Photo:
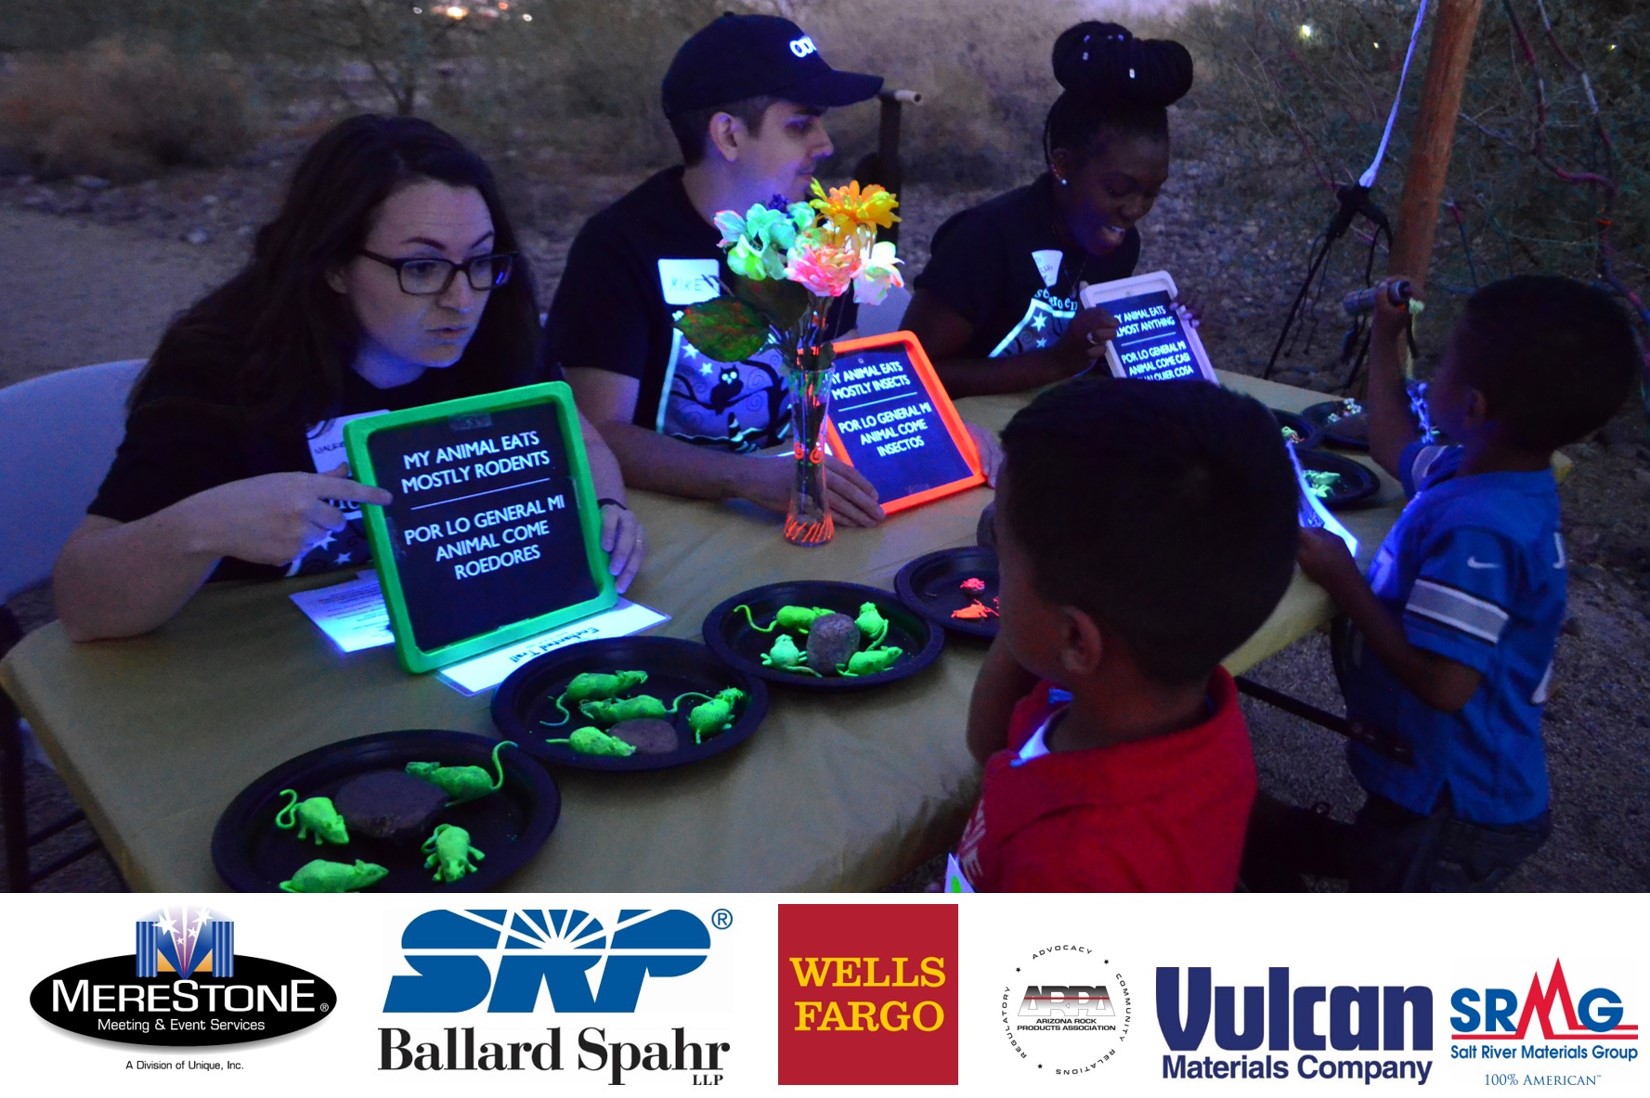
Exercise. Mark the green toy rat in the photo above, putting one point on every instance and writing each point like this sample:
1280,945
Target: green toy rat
462,783
315,816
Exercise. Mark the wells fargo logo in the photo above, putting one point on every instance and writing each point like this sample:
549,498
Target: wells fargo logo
868,994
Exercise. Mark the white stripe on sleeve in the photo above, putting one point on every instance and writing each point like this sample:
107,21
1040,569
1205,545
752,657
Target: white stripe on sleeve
1457,609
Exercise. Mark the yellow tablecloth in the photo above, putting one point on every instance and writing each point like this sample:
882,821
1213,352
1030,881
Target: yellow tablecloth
157,734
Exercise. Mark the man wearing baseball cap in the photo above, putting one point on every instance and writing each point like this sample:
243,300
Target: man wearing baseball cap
745,98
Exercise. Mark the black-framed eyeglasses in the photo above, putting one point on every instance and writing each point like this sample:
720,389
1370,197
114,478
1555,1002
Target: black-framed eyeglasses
427,276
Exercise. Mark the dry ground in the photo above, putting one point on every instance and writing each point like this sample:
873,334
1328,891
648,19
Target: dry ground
93,273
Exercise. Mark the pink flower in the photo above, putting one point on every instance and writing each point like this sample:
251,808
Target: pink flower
823,269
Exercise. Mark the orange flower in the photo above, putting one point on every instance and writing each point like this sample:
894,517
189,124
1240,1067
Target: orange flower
850,212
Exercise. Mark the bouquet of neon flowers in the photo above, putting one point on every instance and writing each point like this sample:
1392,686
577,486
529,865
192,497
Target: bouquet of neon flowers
789,262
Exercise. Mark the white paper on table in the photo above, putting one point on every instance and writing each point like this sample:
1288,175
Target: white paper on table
485,671
354,617
352,614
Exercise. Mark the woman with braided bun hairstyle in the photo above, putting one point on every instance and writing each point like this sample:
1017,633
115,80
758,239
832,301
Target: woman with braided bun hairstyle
996,308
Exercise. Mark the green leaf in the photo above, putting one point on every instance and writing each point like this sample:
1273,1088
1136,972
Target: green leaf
725,328
780,300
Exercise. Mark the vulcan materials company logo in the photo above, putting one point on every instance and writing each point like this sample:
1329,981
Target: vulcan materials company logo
868,993
183,984
1340,1032
1548,1022
514,963
1065,1009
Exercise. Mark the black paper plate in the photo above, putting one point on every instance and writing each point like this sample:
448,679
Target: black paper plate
509,826
731,637
1310,433
673,667
932,586
1358,482
1351,437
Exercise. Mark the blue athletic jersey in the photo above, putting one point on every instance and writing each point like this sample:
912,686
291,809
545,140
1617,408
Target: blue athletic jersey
1475,566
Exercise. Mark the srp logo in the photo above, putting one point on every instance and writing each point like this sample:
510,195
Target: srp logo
1500,1014
505,958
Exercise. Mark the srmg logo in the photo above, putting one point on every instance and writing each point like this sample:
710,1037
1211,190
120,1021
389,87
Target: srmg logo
1068,999
803,46
1487,1015
503,958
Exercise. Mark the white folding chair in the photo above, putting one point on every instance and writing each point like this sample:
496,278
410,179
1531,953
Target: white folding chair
58,434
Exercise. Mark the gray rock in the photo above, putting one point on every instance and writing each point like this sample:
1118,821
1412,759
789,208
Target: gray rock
197,236
91,182
831,640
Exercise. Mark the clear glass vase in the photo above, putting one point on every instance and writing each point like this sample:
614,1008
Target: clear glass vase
808,519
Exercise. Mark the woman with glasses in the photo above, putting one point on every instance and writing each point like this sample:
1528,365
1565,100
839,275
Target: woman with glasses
997,306
388,279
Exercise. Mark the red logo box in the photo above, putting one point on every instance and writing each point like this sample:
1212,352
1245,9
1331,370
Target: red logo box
867,993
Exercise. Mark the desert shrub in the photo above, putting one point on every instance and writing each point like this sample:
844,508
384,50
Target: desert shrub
123,110
1304,110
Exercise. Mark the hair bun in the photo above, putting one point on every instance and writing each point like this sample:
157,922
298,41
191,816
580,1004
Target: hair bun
1104,59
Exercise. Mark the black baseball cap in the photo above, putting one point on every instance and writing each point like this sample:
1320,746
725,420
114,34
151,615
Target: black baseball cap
742,56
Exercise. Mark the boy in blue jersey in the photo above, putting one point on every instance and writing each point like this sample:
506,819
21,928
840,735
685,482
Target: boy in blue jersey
1448,644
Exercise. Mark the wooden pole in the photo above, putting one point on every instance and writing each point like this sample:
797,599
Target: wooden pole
1432,137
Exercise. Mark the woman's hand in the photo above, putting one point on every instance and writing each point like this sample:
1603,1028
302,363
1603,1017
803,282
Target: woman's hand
622,542
1085,339
275,518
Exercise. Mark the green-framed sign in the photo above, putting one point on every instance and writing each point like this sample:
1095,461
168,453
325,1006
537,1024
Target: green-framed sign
494,533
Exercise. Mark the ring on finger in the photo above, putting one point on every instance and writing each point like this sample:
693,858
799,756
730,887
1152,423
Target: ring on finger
1090,337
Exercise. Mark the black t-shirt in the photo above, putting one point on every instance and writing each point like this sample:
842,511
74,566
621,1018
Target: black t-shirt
178,444
1003,269
631,270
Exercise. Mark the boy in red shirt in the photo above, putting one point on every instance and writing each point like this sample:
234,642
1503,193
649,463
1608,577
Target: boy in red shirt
1144,530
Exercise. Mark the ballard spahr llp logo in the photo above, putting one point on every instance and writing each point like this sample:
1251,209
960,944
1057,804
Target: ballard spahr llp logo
1495,1024
519,962
183,984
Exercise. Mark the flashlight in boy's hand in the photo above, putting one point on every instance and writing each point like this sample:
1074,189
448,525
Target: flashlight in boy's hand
1363,301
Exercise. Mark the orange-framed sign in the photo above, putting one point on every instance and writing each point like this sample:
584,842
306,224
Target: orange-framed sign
892,420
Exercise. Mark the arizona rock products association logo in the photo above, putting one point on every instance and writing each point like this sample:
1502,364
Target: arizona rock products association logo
1065,1009
183,984
867,993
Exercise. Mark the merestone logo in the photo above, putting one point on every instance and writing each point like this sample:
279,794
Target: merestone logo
504,958
184,984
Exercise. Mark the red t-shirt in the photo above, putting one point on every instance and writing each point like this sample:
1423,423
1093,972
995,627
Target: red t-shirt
1165,814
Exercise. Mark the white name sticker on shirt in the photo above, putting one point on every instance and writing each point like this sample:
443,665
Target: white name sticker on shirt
327,451
1048,264
689,281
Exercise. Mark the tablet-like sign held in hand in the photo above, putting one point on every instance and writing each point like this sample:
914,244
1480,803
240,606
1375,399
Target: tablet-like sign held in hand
494,533
1153,340
892,420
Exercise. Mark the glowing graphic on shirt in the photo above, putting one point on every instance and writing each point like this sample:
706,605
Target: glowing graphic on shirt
738,406
1046,319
